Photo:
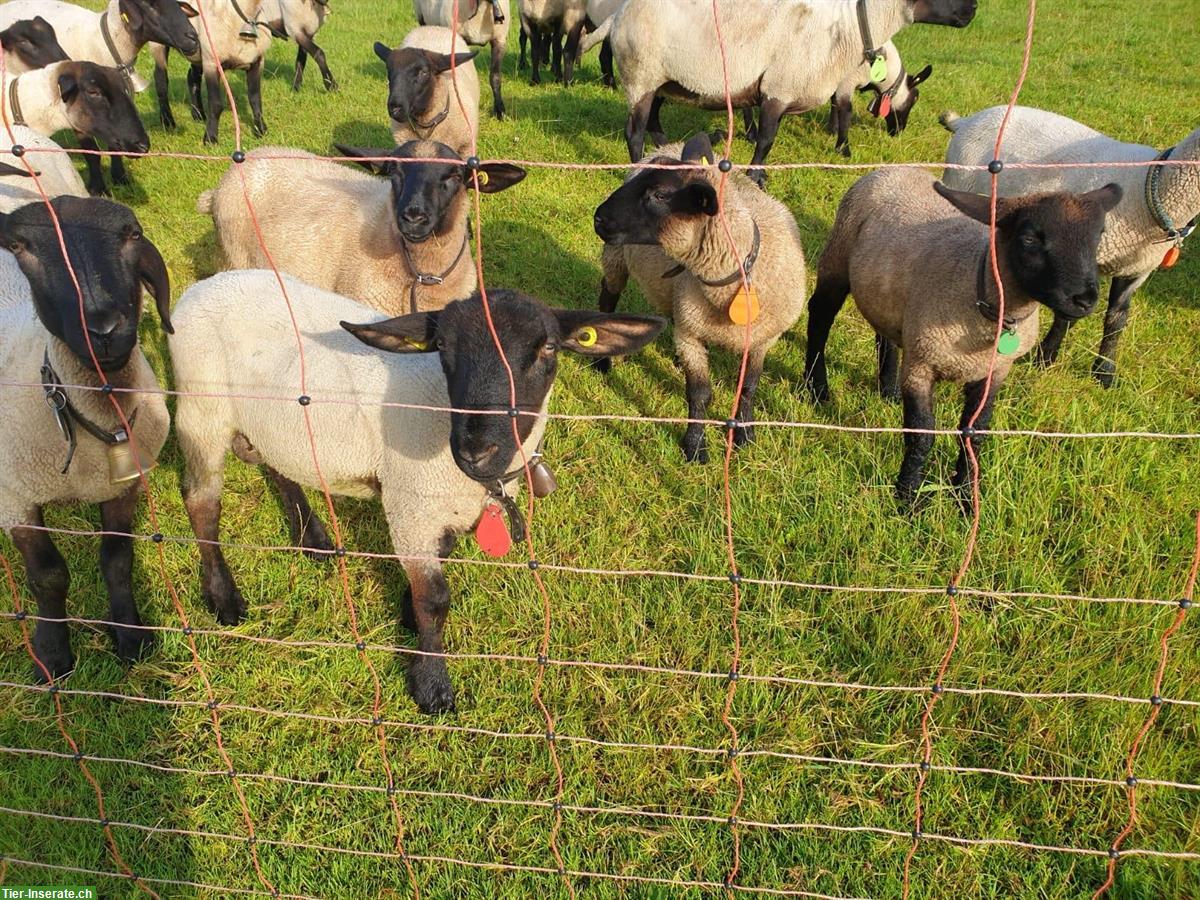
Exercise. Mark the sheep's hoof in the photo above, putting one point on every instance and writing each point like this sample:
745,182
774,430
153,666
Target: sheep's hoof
909,499
498,112
330,84
743,435
226,603
1105,372
209,138
98,188
315,541
429,685
132,644
602,364
121,176
843,149
758,176
259,127
57,658
168,121
1043,356
819,393
694,449
197,114
609,82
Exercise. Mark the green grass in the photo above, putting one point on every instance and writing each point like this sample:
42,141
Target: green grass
1099,517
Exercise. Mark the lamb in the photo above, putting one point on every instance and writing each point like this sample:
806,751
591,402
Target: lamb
480,22
921,276
662,227
85,97
239,40
81,452
300,20
398,243
434,471
670,48
30,44
426,98
545,21
1137,240
56,174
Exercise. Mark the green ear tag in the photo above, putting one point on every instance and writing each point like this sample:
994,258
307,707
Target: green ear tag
1008,344
879,69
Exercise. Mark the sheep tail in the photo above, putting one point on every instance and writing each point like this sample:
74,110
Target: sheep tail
204,203
949,120
600,34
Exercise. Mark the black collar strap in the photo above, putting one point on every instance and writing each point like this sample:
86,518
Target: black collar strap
14,103
65,414
125,67
1154,203
437,120
889,92
253,23
747,266
986,308
870,51
422,278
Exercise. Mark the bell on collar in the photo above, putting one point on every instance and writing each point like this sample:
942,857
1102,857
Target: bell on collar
544,483
248,32
124,463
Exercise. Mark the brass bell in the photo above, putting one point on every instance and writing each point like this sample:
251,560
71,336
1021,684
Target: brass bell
124,463
544,483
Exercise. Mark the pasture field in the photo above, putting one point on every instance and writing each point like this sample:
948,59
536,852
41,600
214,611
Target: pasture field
1096,518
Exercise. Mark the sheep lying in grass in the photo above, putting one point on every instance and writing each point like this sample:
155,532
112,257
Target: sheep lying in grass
479,22
662,227
30,44
41,332
434,471
547,22
426,100
398,243
1136,241
921,276
56,174
85,98
300,20
670,48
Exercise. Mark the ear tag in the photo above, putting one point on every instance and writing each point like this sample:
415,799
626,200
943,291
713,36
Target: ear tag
482,176
885,106
586,337
1009,343
491,532
744,307
879,69
1170,257
125,18
417,345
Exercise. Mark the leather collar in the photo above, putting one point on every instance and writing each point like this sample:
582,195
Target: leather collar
423,278
747,265
67,416
126,68
986,308
1158,212
14,103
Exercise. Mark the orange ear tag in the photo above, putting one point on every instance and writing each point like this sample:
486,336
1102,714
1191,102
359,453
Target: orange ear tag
744,307
1171,257
492,531
885,106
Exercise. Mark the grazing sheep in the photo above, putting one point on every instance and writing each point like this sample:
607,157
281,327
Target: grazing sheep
480,22
920,274
239,39
546,22
30,44
670,48
662,227
56,174
79,454
426,99
300,20
86,98
434,471
398,243
1136,241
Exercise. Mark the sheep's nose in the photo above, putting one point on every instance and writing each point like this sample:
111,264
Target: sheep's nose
600,224
414,216
101,326
478,458
397,113
1089,294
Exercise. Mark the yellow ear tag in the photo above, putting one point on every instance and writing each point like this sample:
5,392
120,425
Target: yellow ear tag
417,345
483,178
744,307
125,18
586,337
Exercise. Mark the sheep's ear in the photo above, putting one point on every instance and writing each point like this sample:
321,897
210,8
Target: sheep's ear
383,51
68,87
593,333
699,149
153,272
372,155
188,10
979,206
413,333
914,80
441,61
131,13
1108,196
695,198
6,169
494,177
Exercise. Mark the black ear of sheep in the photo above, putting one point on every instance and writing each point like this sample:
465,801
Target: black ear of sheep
699,148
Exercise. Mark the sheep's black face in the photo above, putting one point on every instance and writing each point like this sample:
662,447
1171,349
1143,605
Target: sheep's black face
111,261
897,119
532,336
98,106
34,42
956,13
163,22
412,74
425,196
637,211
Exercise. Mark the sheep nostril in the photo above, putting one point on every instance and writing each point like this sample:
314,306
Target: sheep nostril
415,217
477,458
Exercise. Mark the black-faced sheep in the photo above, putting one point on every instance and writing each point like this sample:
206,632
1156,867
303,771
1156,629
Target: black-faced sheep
30,44
479,22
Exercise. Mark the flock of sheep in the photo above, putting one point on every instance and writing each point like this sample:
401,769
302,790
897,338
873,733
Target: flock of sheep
708,246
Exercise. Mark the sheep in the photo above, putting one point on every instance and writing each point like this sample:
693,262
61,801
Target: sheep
1137,240
80,453
56,175
545,21
434,471
426,99
598,12
920,274
480,22
85,97
398,244
239,40
30,44
662,227
669,48
300,20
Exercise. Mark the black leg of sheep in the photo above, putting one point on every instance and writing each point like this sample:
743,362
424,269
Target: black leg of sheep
49,580
116,564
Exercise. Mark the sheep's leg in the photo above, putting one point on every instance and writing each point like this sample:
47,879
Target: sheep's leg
976,398
556,48
49,580
635,126
536,38
612,283
96,184
1047,351
308,47
917,395
254,95
195,104
694,358
841,115
202,499
1120,294
572,52
654,123
748,121
216,104
162,84
301,59
744,434
889,368
523,41
116,562
428,678
768,126
606,64
119,174
494,78
306,528
823,307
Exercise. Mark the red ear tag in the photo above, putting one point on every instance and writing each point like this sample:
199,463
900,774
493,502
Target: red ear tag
1171,257
885,106
492,532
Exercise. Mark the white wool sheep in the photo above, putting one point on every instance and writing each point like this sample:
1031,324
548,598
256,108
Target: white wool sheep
547,22
477,26
1133,245
55,173
300,20
450,92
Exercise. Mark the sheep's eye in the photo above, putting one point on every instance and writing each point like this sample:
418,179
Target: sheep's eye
549,348
440,343
660,195
1029,240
